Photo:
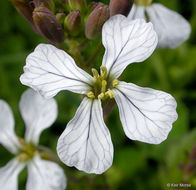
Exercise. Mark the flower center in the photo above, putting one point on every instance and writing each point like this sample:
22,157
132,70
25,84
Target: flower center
143,2
102,87
27,152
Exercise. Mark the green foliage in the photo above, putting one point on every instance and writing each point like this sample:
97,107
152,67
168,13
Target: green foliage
136,165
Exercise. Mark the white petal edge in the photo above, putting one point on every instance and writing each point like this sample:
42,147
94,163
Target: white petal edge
147,115
45,175
50,70
9,175
126,41
171,27
86,142
38,114
8,137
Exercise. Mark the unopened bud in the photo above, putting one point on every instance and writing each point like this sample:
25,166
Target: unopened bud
120,7
93,5
77,4
45,3
48,25
25,9
96,20
60,17
73,22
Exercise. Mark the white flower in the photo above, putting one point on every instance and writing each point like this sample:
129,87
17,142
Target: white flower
146,114
38,114
171,27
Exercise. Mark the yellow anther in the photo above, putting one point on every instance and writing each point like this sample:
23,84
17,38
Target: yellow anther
95,74
103,72
91,95
110,94
23,157
21,141
115,83
103,86
101,96
27,151
143,2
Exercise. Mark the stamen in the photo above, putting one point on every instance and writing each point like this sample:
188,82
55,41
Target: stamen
143,2
95,74
27,152
101,96
115,83
91,95
23,157
110,94
103,72
103,86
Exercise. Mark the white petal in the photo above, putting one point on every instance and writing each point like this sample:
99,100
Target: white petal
50,70
45,175
126,41
86,142
146,114
8,137
9,175
38,114
137,12
171,27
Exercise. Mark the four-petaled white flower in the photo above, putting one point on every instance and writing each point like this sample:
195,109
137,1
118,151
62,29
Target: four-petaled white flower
146,114
172,29
38,114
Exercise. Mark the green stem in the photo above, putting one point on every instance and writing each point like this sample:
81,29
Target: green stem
83,45
94,56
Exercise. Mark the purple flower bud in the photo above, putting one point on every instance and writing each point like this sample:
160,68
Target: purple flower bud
120,7
92,5
25,8
77,4
48,25
96,20
45,3
73,22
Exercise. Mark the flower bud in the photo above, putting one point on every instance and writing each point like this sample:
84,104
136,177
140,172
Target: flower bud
60,17
48,25
96,20
120,7
77,4
25,9
73,22
45,3
93,5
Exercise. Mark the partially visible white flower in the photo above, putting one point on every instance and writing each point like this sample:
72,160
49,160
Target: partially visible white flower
146,114
38,114
171,27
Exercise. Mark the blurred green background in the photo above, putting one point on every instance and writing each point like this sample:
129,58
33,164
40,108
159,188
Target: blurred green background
136,165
